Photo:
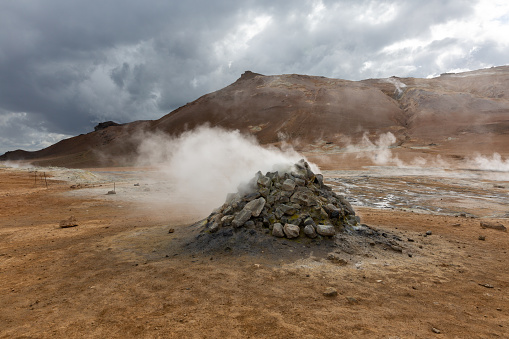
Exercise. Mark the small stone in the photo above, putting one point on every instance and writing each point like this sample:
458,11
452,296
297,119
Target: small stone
325,230
71,222
277,230
429,233
396,248
352,300
288,185
319,180
291,231
241,218
332,211
486,285
493,225
335,258
214,227
300,182
435,330
227,220
482,237
255,206
330,292
309,221
410,240
171,230
309,230
264,181
287,209
304,196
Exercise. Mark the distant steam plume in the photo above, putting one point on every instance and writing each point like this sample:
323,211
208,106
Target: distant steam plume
379,151
486,163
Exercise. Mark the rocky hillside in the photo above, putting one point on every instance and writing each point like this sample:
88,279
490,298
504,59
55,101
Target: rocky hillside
470,109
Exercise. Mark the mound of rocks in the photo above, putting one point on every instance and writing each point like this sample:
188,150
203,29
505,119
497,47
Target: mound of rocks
291,204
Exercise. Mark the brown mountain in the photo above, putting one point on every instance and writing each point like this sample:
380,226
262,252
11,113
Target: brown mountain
452,112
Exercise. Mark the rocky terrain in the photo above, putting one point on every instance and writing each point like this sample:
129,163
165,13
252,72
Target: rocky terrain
421,264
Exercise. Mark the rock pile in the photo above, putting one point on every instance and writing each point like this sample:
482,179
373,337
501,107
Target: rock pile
289,204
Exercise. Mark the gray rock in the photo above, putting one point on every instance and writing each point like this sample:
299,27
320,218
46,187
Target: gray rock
277,230
493,225
325,230
251,196
214,227
319,179
241,218
332,211
288,185
300,182
71,222
304,196
265,192
278,212
309,221
336,258
287,209
249,224
330,292
309,230
346,205
228,210
227,220
264,181
291,231
271,199
255,206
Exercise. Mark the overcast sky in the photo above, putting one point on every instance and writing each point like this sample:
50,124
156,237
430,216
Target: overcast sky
67,65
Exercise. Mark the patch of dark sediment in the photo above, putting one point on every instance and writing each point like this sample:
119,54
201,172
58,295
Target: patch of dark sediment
289,214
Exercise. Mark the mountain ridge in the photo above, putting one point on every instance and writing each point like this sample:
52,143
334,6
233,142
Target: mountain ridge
306,110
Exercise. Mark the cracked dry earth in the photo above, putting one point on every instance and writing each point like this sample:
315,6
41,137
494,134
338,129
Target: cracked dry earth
121,273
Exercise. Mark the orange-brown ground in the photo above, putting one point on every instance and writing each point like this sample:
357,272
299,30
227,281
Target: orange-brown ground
117,275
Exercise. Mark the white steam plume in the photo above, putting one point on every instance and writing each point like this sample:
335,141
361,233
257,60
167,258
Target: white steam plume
495,163
378,152
400,86
207,163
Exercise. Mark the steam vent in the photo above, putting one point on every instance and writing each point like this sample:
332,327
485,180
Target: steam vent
292,205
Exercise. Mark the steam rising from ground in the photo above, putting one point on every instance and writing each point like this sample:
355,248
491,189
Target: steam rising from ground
380,153
493,163
207,163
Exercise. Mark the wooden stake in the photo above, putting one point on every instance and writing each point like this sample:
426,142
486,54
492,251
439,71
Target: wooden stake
46,181
35,178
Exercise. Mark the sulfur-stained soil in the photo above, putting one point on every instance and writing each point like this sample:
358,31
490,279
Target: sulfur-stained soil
127,270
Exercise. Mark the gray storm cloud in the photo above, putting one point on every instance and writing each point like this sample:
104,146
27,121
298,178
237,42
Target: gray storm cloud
70,65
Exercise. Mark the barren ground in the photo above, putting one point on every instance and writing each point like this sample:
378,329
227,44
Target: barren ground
120,273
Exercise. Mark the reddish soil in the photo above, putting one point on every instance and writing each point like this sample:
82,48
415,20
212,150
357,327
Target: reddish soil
121,274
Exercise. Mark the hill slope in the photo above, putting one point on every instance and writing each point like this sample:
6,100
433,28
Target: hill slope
469,110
